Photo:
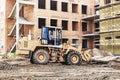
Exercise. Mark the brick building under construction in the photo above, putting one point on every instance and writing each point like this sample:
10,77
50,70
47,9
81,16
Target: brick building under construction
28,16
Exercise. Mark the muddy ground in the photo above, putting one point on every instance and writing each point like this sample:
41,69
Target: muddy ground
23,70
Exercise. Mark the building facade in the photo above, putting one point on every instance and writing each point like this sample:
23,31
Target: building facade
91,28
23,17
110,25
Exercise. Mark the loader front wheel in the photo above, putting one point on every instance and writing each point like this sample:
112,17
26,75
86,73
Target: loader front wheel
41,57
74,58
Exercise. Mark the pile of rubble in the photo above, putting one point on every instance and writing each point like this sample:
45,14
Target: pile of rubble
103,56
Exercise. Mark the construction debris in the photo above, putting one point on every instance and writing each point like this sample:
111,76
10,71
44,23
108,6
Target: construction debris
103,56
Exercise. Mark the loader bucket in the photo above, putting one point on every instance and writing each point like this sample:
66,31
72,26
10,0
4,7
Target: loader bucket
86,55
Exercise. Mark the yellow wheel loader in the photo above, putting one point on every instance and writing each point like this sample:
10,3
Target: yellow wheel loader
49,48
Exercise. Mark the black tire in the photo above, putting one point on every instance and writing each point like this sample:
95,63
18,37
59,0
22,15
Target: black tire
30,56
41,57
65,60
74,58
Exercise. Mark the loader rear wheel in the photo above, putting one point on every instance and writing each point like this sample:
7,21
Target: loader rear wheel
74,58
41,57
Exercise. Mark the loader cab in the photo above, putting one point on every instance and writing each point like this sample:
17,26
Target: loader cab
51,36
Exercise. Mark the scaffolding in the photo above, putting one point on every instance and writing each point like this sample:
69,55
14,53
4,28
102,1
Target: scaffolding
20,21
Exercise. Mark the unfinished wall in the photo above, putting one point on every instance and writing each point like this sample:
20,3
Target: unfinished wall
9,23
89,33
110,26
29,16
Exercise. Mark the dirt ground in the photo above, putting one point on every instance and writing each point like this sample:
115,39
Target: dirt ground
23,70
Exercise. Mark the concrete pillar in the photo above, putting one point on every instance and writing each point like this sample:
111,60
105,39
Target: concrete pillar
17,22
